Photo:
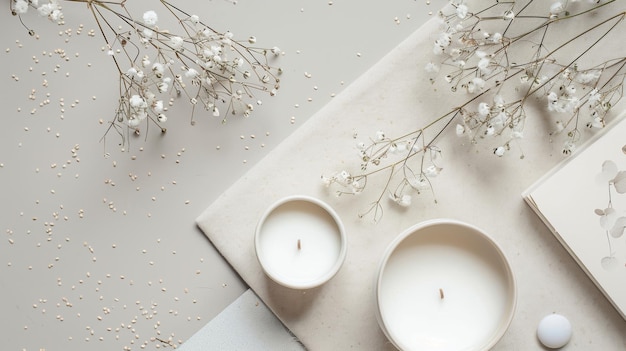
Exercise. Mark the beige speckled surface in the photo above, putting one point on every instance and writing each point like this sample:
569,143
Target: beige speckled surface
474,187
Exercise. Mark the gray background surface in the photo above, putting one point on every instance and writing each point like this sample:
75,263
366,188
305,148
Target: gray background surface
102,253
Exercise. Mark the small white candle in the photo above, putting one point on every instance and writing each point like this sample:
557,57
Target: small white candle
300,242
444,285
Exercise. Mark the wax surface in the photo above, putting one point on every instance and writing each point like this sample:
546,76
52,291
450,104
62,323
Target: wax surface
442,290
316,255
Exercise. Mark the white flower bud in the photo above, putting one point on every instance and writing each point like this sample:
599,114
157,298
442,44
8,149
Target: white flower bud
460,129
150,18
499,151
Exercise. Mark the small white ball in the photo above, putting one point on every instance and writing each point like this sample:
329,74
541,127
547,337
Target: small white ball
554,331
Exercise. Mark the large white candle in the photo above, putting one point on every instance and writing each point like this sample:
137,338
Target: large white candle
445,285
300,242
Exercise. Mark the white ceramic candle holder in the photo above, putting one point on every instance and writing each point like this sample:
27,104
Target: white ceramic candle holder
300,242
444,285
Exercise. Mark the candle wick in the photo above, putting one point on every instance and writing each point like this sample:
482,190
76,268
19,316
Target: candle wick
441,293
299,245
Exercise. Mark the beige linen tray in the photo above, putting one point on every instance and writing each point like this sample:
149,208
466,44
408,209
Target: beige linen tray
475,187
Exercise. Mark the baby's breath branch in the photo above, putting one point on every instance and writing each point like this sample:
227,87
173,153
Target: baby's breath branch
96,17
500,67
599,4
31,32
251,54
157,65
553,18
619,17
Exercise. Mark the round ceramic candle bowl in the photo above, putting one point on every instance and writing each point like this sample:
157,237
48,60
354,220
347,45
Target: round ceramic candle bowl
444,285
300,242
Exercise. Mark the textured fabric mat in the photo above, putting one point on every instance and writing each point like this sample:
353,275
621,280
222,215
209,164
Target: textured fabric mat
474,186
